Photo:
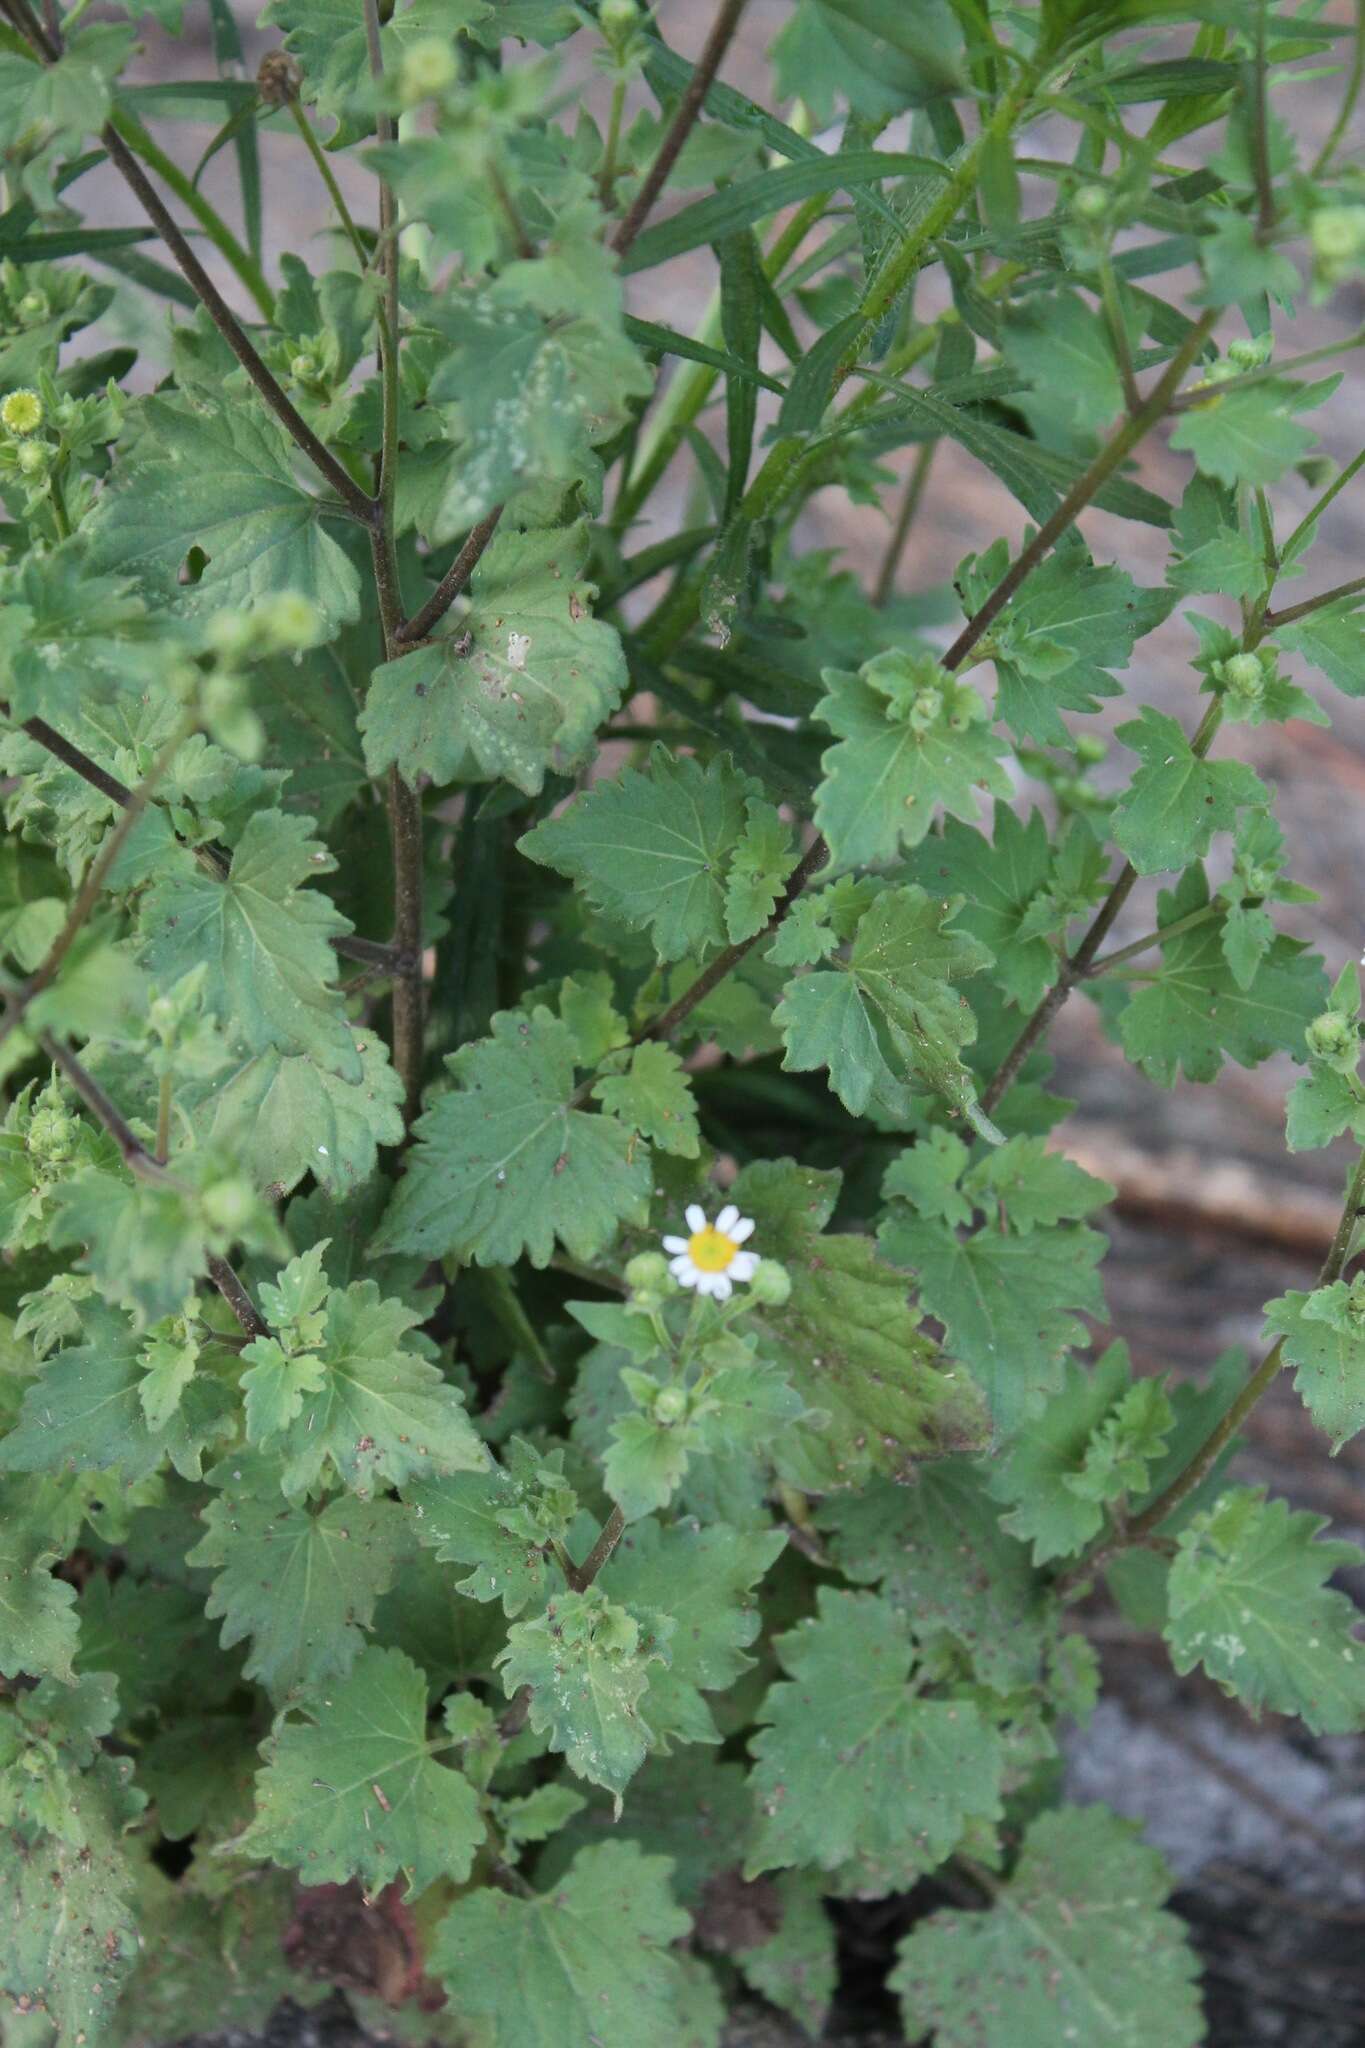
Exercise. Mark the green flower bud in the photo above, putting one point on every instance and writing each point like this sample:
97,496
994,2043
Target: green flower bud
1335,1039
927,708
289,621
1338,233
771,1284
1090,202
52,1133
229,1203
1316,471
1089,749
618,21
646,1273
229,633
429,68
1250,351
305,368
33,308
670,1405
1243,675
33,458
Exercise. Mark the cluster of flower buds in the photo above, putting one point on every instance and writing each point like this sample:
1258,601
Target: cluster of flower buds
1334,1038
1243,678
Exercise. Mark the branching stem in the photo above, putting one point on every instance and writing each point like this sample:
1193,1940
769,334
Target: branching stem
452,584
139,1161
1143,1526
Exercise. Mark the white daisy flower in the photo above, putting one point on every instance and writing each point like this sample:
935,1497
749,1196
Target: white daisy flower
710,1259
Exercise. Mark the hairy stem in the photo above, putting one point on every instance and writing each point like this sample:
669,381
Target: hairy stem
404,806
903,259
165,1098
681,126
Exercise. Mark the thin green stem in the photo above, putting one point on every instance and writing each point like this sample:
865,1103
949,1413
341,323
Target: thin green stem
904,258
687,394
243,265
1079,964
606,177
1315,512
1118,331
905,518
1202,394
61,518
1272,621
1354,79
1163,934
1260,134
328,176
521,241
165,1097
1169,1499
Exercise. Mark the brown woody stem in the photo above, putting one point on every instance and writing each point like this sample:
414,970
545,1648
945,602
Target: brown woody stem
681,126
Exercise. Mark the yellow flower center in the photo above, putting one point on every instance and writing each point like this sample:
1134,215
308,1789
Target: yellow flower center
710,1250
21,412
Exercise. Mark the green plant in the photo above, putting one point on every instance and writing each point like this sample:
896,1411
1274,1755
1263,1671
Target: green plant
412,1504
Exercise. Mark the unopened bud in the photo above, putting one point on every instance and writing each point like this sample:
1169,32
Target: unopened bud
646,1272
670,1405
1089,202
771,1285
1335,1039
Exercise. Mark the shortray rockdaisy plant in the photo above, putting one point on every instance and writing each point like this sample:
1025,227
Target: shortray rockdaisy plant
712,1258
